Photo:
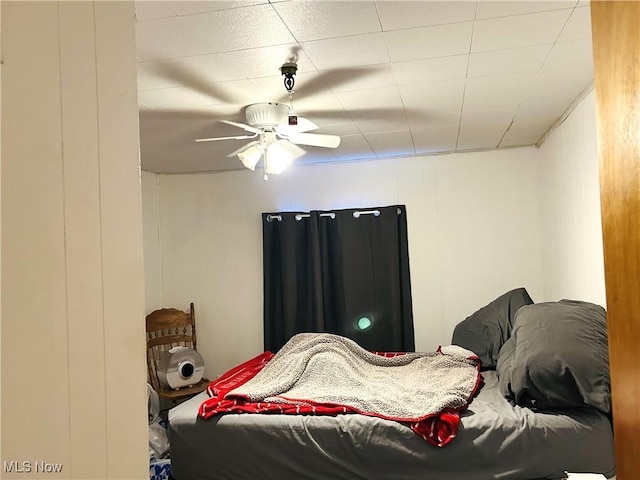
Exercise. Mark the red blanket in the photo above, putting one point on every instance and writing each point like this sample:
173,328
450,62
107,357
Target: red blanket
437,429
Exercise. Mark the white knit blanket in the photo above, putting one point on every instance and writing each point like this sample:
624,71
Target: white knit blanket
321,368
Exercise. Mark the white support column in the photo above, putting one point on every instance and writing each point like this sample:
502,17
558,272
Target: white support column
73,352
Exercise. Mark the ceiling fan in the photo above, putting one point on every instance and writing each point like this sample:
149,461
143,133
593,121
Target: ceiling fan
277,131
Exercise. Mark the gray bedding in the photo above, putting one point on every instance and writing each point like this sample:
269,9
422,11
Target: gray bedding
495,441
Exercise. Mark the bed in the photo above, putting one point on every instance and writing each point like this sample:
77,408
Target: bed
505,432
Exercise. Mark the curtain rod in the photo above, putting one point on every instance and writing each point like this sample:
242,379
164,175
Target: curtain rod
356,214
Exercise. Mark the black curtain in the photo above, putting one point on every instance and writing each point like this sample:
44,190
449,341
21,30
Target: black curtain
340,271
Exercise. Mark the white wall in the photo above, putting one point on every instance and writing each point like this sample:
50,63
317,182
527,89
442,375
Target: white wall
73,376
570,207
474,233
151,236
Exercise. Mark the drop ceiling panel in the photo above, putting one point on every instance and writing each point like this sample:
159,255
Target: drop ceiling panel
377,97
430,70
319,20
169,38
192,7
354,147
519,30
578,26
434,97
396,15
491,9
369,49
479,136
391,144
388,76
382,120
501,116
556,82
423,119
172,98
435,140
429,42
360,78
241,28
499,91
265,61
188,71
511,60
573,55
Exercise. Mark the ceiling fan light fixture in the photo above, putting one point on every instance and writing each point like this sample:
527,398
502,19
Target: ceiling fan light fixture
251,156
277,158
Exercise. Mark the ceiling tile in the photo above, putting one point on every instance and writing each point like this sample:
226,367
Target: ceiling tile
526,130
395,15
241,28
190,8
495,92
480,135
240,92
172,98
566,73
501,116
169,38
354,147
558,88
524,141
431,69
266,61
351,51
429,42
382,120
493,9
378,97
360,78
434,140
434,97
573,55
189,72
419,119
578,26
519,30
327,101
391,144
150,79
511,60
320,20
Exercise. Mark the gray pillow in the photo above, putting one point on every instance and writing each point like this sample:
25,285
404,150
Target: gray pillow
557,357
486,330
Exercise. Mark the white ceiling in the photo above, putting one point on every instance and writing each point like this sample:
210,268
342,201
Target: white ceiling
392,78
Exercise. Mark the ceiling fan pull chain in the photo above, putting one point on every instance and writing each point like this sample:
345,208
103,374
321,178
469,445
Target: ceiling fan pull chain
293,116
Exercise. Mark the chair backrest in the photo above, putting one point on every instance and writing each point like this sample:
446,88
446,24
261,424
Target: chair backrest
168,328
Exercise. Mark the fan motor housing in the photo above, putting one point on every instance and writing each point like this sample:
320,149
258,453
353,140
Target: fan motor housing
180,367
266,115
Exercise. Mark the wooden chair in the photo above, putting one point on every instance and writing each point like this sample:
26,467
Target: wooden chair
168,328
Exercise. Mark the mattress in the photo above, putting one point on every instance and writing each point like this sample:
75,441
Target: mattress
495,441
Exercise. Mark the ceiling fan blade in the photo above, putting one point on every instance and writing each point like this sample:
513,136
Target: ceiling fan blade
331,79
214,139
244,126
182,75
303,125
315,140
294,150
